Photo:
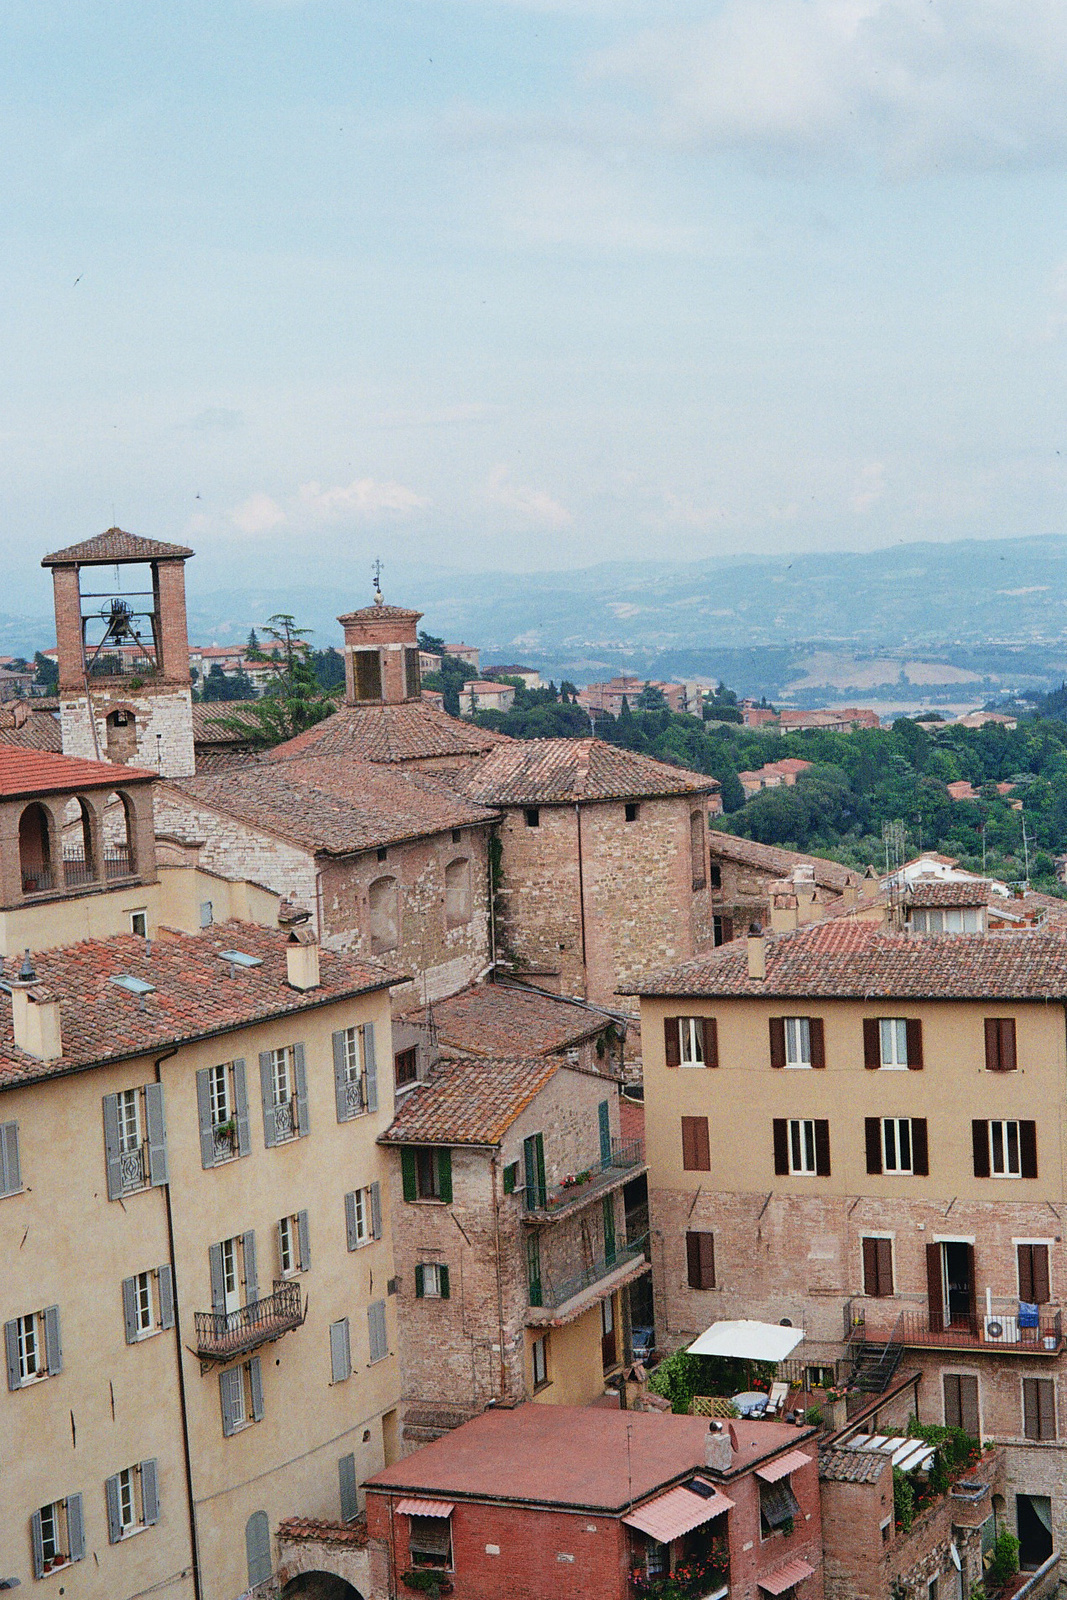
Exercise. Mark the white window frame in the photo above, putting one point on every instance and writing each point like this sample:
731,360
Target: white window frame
220,1093
230,1250
800,1132
282,1075
143,1305
33,1358
130,1121
797,1041
362,1217
431,1280
139,922
288,1247
894,1132
691,1041
130,1520
55,1535
241,1408
1003,1139
893,1044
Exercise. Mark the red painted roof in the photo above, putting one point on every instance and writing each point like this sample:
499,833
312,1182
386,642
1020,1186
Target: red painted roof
25,771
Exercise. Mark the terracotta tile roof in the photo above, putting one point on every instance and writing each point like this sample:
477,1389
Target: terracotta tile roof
863,960
631,1120
206,717
412,731
193,994
572,1456
308,1530
842,1465
940,893
42,772
562,771
40,731
470,1102
373,613
115,545
490,1019
333,807
778,863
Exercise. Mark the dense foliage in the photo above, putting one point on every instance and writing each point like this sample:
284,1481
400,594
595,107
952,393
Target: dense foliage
294,699
681,1376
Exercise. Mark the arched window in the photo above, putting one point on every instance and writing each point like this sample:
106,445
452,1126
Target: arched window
121,736
696,847
120,855
257,1548
79,864
35,849
384,916
457,893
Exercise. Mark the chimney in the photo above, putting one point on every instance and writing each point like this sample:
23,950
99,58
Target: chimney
35,1015
302,959
757,953
718,1448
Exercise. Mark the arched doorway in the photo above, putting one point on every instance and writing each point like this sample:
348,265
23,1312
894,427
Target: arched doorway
319,1586
35,850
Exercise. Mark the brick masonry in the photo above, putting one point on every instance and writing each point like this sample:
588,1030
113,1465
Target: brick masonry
162,723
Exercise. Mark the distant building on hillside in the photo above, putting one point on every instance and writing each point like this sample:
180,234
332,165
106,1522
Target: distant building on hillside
464,652
773,775
482,694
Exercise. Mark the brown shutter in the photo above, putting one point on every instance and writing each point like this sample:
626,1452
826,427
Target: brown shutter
711,1042
696,1149
727,929
953,1405
1007,1044
781,1147
687,1144
870,1268
777,1027
1031,1409
935,1294
822,1147
980,1148
692,1260
1046,1408
969,1405
915,1044
1028,1149
707,1259
872,1129
700,1260
671,1047
920,1151
872,1046
972,1289
885,1266
1025,1254
818,1042
992,1044
1042,1291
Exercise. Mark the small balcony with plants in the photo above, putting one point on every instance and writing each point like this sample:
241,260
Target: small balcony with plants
546,1202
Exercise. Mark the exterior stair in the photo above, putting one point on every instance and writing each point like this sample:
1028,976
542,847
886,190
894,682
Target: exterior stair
875,1365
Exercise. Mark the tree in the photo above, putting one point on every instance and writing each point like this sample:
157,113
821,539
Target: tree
252,647
46,675
432,645
220,686
294,700
651,698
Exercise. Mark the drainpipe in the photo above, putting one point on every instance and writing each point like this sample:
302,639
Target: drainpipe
581,893
499,1278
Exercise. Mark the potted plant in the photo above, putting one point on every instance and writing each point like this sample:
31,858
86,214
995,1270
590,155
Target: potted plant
425,1580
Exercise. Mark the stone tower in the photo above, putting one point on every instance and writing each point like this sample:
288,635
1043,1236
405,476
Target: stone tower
123,647
381,655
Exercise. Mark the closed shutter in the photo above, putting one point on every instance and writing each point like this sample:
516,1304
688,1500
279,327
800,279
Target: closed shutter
711,1041
301,1095
609,1228
379,1344
114,1520
872,1046
304,1240
1007,1044
935,1289
408,1173
696,1148
257,1548
817,1036
53,1347
885,1266
75,1527
872,1135
10,1173
112,1154
781,1147
980,1148
340,1351
166,1295
203,1112
604,1122
255,1384
240,1108
992,1044
157,1134
37,1540
218,1282
444,1171
229,1395
339,1087
129,1308
1031,1409
953,1407
822,1147
700,1260
920,1148
420,1281
1037,1276
350,1220
443,1282
1028,1149
11,1351
346,1473
370,1068
375,1210
150,1491
266,1089
968,1393
777,1032
914,1029
870,1268
671,1046
248,1256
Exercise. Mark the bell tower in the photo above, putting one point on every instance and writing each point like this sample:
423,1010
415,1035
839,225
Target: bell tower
123,647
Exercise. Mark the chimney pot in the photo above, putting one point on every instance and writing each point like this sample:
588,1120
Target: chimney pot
757,953
302,959
35,1022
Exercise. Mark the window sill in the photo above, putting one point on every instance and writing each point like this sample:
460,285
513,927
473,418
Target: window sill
798,1066
132,1532
145,1333
9,1194
59,1565
33,1379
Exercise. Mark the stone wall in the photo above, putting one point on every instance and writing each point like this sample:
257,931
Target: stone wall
163,725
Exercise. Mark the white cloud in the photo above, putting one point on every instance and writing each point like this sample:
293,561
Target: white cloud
535,505
869,486
363,497
258,514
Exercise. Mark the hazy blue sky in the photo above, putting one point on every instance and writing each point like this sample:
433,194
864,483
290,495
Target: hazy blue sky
529,284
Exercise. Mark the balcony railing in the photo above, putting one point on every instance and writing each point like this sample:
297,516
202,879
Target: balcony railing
551,1294
625,1158
37,880
222,1335
999,1331
117,861
76,870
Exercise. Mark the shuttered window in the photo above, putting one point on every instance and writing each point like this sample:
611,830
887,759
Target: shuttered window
148,1303
135,1140
57,1535
241,1396
294,1244
340,1351
431,1281
376,1331
878,1268
1039,1408
283,1091
897,1146
10,1170
1000,1044
363,1215
801,1146
700,1260
346,1475
961,1402
257,1548
222,1109
696,1146
33,1347
132,1500
427,1172
1004,1149
1033,1274
892,1044
355,1071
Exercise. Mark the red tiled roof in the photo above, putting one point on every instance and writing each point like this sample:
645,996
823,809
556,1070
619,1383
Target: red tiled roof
778,863
863,960
24,772
373,613
562,771
207,715
631,1120
307,1530
116,545
470,1101
498,1019
40,731
412,731
941,893
193,994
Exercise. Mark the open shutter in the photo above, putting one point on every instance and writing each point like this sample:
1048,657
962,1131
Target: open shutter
248,1254
227,1382
346,1473
1028,1149
885,1266
375,1210
111,1146
920,1150
10,1174
870,1268
266,1087
76,1527
1042,1290
303,1240
992,1044
114,1520
408,1173
240,1108
129,1308
379,1344
150,1491
711,1041
166,1295
37,1540
781,1147
1007,1044
822,1147
609,1227
914,1029
218,1282
203,1111
444,1170
972,1289
935,1289
872,1134
703,1145
980,1148
301,1094
350,1220
671,1045
1046,1407
1025,1256
604,1125
257,1548
370,1068
442,1280
53,1347
420,1281
339,1086
872,1046
818,1041
777,1032
11,1351
157,1134
255,1384
340,1351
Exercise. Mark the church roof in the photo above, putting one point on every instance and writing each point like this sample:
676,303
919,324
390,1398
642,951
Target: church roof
116,545
412,731
382,613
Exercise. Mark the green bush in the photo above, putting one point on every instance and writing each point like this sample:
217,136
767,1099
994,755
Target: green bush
1005,1562
813,1416
681,1376
903,1500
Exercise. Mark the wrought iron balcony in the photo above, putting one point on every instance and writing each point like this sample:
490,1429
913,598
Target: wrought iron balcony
627,1158
222,1335
557,1299
999,1332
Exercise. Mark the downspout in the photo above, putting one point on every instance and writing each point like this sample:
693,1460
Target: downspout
581,892
186,1452
491,886
499,1279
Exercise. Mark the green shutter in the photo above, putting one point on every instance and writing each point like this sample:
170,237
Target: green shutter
444,1175
442,1276
419,1285
510,1174
407,1168
609,1228
533,1267
604,1118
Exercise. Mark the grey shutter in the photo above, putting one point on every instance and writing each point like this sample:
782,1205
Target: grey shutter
340,1351
38,1545
75,1527
375,1210
53,1347
255,1383
114,1522
218,1282
11,1348
340,1096
240,1108
248,1254
166,1295
379,1345
203,1111
304,1239
150,1492
226,1388
301,1094
267,1091
370,1068
257,1548
129,1309
111,1146
10,1174
346,1472
157,1134
350,1220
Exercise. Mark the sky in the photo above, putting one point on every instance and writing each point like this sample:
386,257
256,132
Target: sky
528,284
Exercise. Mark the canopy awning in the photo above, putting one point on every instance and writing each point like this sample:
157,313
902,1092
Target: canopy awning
677,1512
425,1508
784,1577
749,1341
783,1466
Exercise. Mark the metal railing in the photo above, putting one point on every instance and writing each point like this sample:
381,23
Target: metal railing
979,1330
550,1293
76,869
37,880
115,664
221,1335
589,1182
118,861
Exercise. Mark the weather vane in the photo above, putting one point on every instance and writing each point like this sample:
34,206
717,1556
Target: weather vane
377,570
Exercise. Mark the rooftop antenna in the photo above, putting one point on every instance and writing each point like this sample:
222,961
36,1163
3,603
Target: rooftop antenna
377,571
1026,855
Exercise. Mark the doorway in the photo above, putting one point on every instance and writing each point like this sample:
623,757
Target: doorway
957,1265
1033,1520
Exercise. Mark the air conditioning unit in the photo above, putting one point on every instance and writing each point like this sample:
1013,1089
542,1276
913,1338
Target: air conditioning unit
1001,1330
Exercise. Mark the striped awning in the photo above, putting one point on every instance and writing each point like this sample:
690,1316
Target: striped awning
677,1512
425,1508
784,1577
783,1466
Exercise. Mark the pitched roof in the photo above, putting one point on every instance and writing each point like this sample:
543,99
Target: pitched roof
378,613
207,715
416,730
333,807
496,1019
949,893
863,960
37,771
193,994
778,863
562,771
40,731
116,545
473,1101
844,1465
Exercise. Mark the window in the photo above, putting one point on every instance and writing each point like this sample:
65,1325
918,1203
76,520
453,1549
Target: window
241,1396
696,849
633,811
457,894
132,1500
135,1140
696,1147
801,1147
878,1268
892,1044
139,923
348,1485
431,1281
1004,1149
1000,1044
533,1267
961,1402
430,1542
820,1377
700,1260
10,1168
382,853
148,1303
691,1041
340,1351
609,1354
716,875
363,1215
897,1146
1033,1273
427,1172
383,904
367,674
954,919
57,1533
377,1335
207,913
257,1548
797,1042
232,1267
222,1109
32,1347
1039,1408
406,1067
533,816
778,1507
283,1087
294,1247
355,1071
539,1362
657,1558
412,678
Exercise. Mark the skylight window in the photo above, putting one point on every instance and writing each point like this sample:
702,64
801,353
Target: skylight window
238,958
133,985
